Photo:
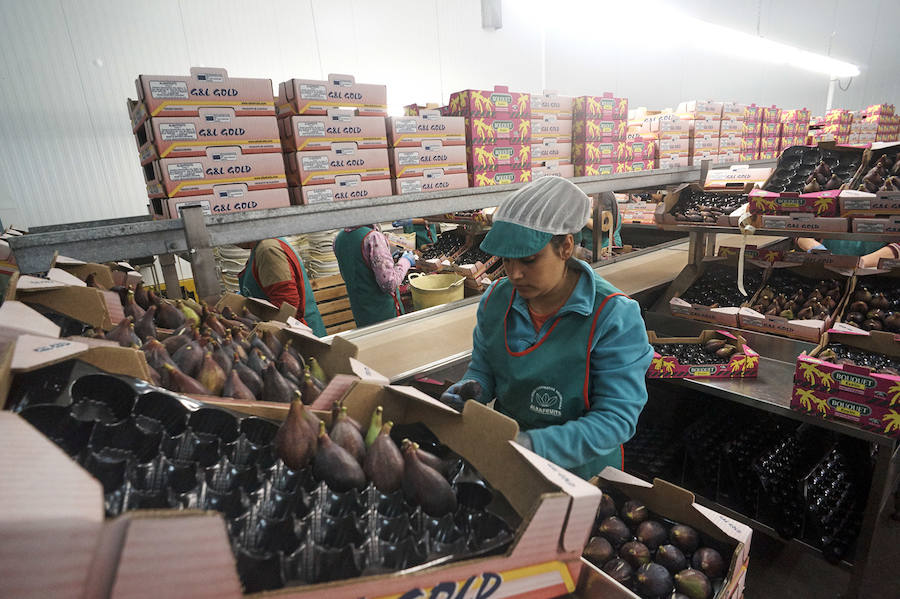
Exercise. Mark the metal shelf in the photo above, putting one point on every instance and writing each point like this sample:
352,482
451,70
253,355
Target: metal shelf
711,230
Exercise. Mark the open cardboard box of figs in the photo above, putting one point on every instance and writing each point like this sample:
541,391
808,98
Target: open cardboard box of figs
665,210
262,309
62,293
743,362
66,548
676,504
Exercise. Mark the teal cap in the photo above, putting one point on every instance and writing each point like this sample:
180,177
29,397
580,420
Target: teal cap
509,240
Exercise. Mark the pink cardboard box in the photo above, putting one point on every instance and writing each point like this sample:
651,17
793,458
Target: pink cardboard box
752,128
551,152
769,144
179,177
821,203
598,130
795,115
770,129
790,129
771,114
228,199
838,116
753,113
731,126
728,156
700,109
749,155
566,171
551,127
311,96
861,203
641,149
705,143
167,95
734,110
428,126
749,144
875,109
174,137
743,364
499,103
668,126
768,154
593,170
318,132
345,187
318,167
703,127
489,158
431,181
804,221
605,107
730,142
413,162
490,130
599,153
551,104
630,166
681,144
504,176
673,161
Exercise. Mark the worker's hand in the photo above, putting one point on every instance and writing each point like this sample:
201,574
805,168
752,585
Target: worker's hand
816,248
409,257
457,393
397,253
524,439
406,222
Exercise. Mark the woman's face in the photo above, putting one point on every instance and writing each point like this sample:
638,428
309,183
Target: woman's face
538,275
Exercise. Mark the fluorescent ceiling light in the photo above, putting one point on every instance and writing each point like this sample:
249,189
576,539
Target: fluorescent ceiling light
661,23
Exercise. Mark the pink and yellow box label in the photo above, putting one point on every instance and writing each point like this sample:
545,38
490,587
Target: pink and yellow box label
504,176
319,167
743,364
821,203
771,114
593,170
492,130
315,97
599,152
173,95
838,116
641,149
750,144
192,176
752,112
431,181
499,103
752,129
497,157
414,162
875,109
591,130
605,107
551,127
430,126
795,115
318,132
173,137
630,166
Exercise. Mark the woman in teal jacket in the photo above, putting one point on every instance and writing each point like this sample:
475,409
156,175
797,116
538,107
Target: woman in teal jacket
559,349
870,251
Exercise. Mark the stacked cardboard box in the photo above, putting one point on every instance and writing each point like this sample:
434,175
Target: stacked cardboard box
837,125
705,117
551,135
876,123
751,132
334,139
672,136
498,134
731,132
427,152
794,128
770,129
208,139
599,131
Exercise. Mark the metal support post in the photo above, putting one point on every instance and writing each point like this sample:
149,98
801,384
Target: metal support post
170,276
704,170
597,216
203,263
696,247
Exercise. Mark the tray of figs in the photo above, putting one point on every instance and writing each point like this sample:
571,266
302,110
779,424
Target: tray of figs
714,354
882,173
695,206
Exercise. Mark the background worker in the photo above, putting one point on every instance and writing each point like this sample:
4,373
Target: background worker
870,251
372,278
426,234
585,237
559,349
275,272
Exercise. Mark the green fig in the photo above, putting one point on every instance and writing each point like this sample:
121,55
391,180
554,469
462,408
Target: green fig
598,551
295,442
190,315
334,465
375,425
694,584
426,485
316,370
384,464
345,434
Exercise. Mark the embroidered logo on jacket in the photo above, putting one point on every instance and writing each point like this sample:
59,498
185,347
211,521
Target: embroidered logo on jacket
546,401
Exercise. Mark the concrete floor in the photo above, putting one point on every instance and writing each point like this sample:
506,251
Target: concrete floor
778,570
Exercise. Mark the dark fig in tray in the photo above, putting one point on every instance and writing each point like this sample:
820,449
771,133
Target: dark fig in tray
384,463
635,553
671,558
182,383
426,485
248,376
145,328
234,387
615,531
295,441
598,551
188,358
168,316
347,435
685,538
709,561
651,533
619,570
334,465
634,512
652,580
607,507
275,387
310,390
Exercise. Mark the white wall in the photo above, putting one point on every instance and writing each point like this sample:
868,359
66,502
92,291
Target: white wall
67,154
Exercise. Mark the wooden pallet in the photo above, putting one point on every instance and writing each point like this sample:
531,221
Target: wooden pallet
334,306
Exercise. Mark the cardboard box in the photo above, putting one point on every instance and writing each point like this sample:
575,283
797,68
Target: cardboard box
820,203
730,143
174,137
747,156
673,162
888,224
428,127
314,97
728,157
701,109
731,126
504,175
734,110
770,130
489,130
566,171
706,127
767,154
705,143
551,152
668,128
752,129
771,114
752,112
668,145
431,181
676,504
415,161
173,95
838,116
605,107
861,203
594,170
499,103
487,158
643,150
595,130
180,177
322,166
744,364
551,128
599,153
795,115
769,144
228,198
633,166
550,103
880,109
299,133
345,187
804,221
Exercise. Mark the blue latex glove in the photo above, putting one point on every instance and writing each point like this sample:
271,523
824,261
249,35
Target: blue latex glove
453,396
406,222
524,439
396,254
818,247
409,257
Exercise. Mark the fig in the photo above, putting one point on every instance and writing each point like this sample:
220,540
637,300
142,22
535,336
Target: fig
123,333
234,387
619,570
317,372
334,465
652,580
470,390
651,533
248,376
288,364
273,343
156,354
169,317
347,435
425,485
812,187
725,351
384,463
310,390
188,358
892,320
871,325
275,387
145,328
671,558
295,443
709,561
375,425
131,308
875,314
257,360
789,314
249,316
175,342
880,301
713,345
862,295
190,315
859,306
634,512
805,313
257,343
607,507
140,296
179,382
210,374
833,183
635,553
685,538
598,551
225,359
694,584
614,530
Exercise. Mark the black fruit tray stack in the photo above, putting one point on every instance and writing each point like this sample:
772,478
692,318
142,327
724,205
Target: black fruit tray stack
150,448
704,441
656,451
447,243
797,163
